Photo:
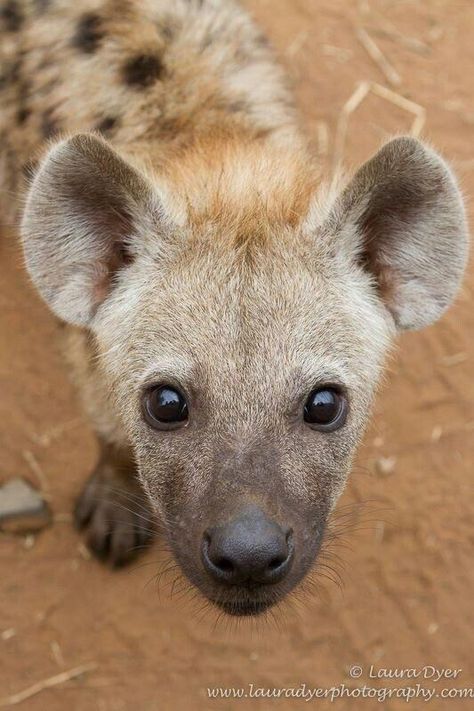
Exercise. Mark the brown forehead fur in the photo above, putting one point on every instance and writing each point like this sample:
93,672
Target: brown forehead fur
252,191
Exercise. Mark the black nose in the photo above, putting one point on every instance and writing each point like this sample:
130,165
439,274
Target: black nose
249,549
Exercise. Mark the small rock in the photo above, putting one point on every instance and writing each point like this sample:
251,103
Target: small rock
385,465
8,634
22,508
84,552
29,541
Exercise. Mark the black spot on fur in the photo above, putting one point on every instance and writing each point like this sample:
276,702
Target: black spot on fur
143,70
168,127
107,125
22,115
45,63
238,106
23,112
89,33
167,28
11,74
49,125
262,41
11,15
15,72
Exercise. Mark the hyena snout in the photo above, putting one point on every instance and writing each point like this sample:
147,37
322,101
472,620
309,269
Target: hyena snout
249,550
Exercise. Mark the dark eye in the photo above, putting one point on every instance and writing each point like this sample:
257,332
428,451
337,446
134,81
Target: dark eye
325,409
163,406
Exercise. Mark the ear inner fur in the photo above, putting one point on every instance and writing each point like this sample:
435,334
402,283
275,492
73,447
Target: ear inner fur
404,221
84,205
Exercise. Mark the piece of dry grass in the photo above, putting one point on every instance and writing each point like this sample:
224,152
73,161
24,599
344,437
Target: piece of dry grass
349,107
297,43
403,103
340,53
51,681
455,359
413,44
379,25
35,467
84,552
377,56
57,653
357,97
47,438
379,532
8,634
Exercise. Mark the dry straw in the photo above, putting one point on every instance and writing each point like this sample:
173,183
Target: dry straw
376,54
51,681
360,93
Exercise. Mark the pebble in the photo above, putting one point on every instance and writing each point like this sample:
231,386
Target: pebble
385,465
22,508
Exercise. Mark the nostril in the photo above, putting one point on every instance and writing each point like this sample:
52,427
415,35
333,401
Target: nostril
225,565
218,565
275,563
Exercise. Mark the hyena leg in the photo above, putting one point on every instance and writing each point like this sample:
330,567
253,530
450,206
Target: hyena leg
113,510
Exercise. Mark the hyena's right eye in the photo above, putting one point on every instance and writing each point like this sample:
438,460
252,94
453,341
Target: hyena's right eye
164,407
325,409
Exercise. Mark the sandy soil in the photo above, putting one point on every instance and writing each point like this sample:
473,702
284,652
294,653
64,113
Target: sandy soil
408,578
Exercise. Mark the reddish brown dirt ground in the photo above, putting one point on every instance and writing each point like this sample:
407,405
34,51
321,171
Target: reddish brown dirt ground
408,578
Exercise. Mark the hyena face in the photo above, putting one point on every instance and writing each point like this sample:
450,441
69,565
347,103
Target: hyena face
240,324
220,368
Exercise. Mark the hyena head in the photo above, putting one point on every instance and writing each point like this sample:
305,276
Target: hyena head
241,320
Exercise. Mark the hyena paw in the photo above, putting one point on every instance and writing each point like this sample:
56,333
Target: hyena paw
115,516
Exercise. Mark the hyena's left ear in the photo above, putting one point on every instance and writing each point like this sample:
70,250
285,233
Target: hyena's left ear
83,209
402,216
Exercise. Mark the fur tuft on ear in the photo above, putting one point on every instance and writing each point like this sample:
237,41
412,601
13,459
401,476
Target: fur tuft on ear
81,213
403,217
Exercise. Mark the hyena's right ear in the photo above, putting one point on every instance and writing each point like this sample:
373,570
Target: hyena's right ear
83,208
401,218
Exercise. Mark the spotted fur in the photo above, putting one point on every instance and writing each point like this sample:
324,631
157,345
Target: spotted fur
11,15
89,33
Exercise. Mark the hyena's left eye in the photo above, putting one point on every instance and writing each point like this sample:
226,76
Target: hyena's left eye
326,409
164,406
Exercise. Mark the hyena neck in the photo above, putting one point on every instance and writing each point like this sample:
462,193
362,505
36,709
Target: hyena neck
243,185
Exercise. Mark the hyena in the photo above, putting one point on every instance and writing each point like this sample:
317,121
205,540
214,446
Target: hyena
226,316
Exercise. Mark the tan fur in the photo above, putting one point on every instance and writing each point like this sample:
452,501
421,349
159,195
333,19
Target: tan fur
195,244
219,79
